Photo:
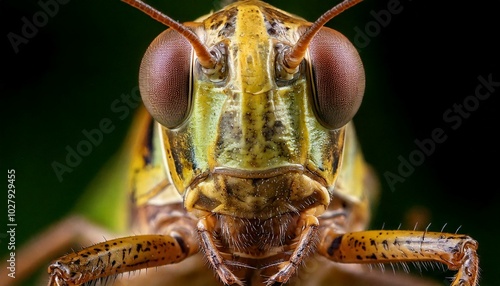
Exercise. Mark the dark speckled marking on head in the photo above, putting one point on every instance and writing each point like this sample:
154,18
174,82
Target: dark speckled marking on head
221,25
278,22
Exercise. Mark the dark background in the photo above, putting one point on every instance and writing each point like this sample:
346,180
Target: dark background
420,62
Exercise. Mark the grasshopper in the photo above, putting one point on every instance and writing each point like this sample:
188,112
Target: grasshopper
247,160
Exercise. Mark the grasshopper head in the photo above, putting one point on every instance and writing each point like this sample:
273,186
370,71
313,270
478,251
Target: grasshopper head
252,95
166,70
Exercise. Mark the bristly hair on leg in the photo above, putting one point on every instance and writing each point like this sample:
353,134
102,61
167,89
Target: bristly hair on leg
445,224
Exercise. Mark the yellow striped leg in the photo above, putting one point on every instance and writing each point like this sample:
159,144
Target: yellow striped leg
456,251
120,255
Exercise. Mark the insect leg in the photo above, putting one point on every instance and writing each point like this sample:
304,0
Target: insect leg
456,251
305,244
121,255
205,227
52,242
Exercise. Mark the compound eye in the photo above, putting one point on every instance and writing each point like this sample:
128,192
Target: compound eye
165,78
338,76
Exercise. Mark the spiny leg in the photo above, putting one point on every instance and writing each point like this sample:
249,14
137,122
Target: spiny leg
73,230
309,226
205,227
121,255
456,251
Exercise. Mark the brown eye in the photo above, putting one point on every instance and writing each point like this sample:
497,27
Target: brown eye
164,78
339,78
